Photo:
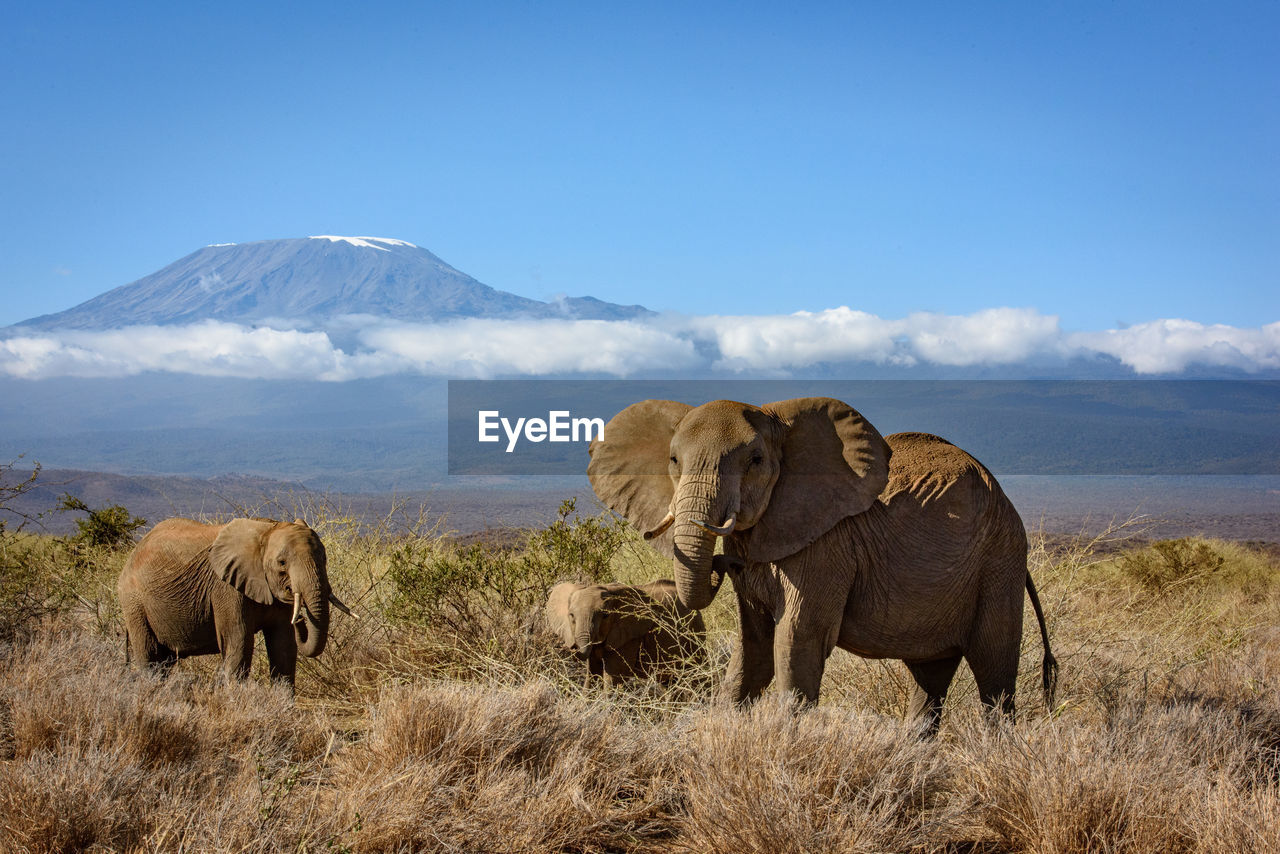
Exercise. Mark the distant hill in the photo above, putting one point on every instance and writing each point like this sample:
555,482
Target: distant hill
393,433
1232,508
310,281
458,509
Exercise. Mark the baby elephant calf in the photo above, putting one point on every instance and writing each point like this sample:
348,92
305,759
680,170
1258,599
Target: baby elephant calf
625,630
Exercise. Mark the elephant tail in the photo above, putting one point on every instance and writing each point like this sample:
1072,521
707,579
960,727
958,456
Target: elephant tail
1049,667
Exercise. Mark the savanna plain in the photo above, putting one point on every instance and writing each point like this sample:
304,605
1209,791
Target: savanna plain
446,718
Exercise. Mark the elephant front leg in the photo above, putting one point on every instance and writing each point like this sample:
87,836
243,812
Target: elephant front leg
802,642
751,665
621,664
233,631
237,653
595,666
282,653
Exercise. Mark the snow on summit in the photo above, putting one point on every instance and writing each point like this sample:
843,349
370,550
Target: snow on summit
368,242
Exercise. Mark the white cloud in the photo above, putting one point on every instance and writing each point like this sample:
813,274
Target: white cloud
483,348
209,349
1172,346
777,345
796,341
993,336
780,343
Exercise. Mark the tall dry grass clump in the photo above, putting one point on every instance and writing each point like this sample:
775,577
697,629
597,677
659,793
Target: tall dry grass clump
462,767
446,718
95,757
1173,779
775,780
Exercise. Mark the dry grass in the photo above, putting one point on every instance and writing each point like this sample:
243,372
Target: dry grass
461,728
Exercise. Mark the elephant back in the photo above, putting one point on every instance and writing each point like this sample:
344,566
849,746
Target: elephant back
929,468
173,543
935,484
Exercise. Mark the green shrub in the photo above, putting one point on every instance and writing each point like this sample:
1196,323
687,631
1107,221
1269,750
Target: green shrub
436,582
1171,563
109,527
583,546
26,591
43,575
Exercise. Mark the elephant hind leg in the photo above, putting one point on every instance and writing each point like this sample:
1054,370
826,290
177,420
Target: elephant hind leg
996,673
142,645
998,697
933,678
994,647
146,649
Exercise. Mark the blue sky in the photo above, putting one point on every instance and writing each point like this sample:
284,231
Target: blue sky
1107,163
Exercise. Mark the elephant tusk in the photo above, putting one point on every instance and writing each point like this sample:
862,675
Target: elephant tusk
721,531
338,603
297,610
662,527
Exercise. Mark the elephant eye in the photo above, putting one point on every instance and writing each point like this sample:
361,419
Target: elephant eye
756,458
674,460
281,561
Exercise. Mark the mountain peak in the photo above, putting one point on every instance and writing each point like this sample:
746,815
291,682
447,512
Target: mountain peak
309,282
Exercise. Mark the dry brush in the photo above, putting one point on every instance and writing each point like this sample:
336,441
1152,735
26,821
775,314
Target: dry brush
446,720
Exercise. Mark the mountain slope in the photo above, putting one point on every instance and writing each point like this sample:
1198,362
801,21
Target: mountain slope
311,279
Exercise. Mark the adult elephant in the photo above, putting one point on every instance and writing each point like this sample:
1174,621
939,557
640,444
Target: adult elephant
903,547
195,589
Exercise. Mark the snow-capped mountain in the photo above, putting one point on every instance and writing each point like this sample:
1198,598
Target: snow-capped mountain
312,280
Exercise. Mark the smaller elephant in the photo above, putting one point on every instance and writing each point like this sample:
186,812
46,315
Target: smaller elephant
625,630
195,589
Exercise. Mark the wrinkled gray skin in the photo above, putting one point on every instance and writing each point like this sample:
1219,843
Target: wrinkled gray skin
194,589
624,630
903,547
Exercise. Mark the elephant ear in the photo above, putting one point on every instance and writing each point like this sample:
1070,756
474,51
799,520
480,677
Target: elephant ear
628,468
557,611
236,557
834,464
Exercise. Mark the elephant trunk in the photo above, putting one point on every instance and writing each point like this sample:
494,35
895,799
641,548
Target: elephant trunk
311,625
694,544
589,630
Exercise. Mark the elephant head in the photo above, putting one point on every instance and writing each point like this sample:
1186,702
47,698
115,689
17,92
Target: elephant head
558,613
279,563
772,478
